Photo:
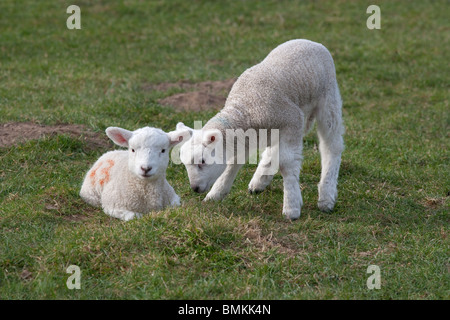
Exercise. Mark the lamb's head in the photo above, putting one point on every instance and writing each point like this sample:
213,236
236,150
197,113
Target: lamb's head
148,149
203,156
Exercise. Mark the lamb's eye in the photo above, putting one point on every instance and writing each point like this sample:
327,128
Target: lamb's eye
163,150
132,150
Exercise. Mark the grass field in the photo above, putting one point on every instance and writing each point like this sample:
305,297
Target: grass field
393,207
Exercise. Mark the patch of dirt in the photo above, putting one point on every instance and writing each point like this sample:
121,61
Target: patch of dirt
193,101
387,249
253,234
13,133
199,96
26,275
434,203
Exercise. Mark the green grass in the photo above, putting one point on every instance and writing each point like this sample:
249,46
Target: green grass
393,187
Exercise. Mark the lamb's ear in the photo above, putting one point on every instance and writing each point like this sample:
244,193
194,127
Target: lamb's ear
179,136
119,136
211,136
182,126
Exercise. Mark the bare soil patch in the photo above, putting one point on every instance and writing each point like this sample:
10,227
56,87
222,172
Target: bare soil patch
253,234
434,203
13,133
200,96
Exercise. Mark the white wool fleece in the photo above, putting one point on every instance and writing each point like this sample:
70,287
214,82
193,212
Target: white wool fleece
293,86
128,184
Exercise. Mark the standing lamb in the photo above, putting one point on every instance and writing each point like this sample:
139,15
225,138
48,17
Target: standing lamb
128,184
295,84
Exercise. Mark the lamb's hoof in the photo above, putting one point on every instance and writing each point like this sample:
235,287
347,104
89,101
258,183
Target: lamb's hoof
258,186
291,214
255,191
325,205
213,197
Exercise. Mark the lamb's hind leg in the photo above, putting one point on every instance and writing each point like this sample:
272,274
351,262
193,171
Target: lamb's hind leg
290,154
331,145
263,174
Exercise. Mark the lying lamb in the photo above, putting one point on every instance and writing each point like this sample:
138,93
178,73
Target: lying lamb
128,184
295,84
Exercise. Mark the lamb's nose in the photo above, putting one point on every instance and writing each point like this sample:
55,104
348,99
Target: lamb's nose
195,188
146,169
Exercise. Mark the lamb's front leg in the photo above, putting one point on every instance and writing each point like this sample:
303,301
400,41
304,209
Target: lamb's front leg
122,214
223,185
175,201
170,196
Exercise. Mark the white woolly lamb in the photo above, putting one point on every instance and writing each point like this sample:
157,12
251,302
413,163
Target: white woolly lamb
128,184
295,84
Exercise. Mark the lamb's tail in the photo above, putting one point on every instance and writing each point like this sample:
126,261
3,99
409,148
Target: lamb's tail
329,114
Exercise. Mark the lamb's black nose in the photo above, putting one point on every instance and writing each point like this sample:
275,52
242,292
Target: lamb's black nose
146,169
196,188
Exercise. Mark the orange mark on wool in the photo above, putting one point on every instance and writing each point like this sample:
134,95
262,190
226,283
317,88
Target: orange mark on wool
94,172
104,173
